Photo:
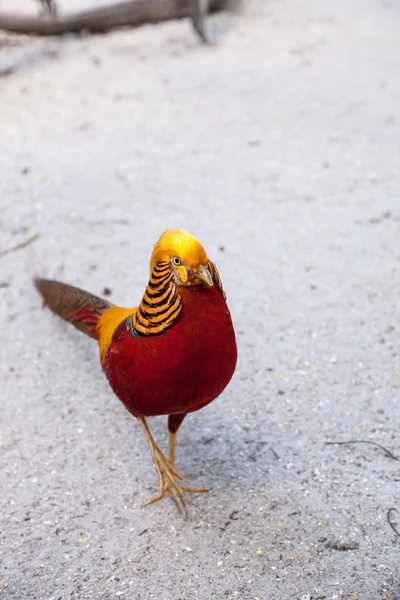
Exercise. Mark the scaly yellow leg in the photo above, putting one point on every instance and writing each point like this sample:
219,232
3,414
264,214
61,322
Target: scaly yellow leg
167,475
172,448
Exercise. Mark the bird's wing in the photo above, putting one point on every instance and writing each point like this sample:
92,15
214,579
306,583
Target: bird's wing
217,279
108,323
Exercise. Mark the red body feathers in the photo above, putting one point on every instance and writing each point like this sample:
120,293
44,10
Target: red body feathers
183,369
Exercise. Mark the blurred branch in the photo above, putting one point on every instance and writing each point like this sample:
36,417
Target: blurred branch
122,14
49,7
31,238
198,13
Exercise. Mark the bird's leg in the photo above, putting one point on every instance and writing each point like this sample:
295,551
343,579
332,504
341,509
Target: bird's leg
172,448
174,422
167,476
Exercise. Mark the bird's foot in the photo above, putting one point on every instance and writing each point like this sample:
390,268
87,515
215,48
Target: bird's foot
168,483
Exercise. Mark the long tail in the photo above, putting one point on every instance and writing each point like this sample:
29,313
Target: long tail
72,304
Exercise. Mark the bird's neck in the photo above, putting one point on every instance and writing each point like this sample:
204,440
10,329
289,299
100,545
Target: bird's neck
160,305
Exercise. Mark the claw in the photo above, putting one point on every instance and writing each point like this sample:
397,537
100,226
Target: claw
169,486
194,490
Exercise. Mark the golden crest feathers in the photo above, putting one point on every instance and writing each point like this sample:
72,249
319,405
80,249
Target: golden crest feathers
178,242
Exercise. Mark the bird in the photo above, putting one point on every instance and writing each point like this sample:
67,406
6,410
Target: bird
171,355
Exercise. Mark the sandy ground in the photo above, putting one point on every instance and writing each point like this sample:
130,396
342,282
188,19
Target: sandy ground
279,149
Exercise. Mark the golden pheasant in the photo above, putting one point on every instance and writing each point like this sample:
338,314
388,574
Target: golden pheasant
172,354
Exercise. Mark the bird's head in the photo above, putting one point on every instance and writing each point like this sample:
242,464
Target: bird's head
186,256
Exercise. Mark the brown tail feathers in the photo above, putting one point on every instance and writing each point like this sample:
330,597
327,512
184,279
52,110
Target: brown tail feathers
72,304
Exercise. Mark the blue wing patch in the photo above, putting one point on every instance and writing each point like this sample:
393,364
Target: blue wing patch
130,326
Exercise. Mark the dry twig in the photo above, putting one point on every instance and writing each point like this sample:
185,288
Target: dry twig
389,520
387,452
31,238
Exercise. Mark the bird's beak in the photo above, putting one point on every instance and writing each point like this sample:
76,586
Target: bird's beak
205,275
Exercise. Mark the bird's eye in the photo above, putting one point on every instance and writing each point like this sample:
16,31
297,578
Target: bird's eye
177,261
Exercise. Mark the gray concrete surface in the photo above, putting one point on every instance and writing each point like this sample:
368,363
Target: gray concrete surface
281,146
